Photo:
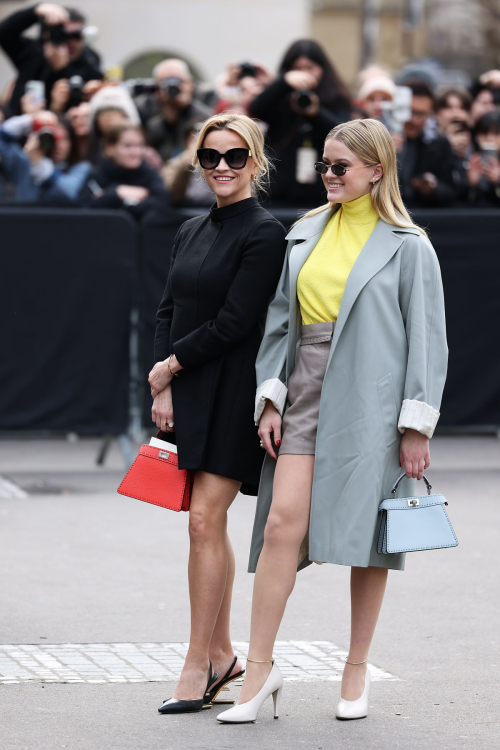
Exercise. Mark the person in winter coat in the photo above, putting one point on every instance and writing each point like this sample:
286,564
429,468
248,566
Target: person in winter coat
54,177
350,376
225,267
300,106
122,179
41,59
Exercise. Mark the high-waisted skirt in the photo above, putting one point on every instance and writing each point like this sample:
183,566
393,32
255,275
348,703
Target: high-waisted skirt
300,420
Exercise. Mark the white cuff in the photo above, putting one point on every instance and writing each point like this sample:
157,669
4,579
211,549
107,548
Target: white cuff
270,390
417,415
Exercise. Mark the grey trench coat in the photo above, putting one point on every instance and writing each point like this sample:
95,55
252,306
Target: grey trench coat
386,372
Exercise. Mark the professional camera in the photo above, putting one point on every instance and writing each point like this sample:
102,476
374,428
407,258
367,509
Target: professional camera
139,86
57,34
247,69
46,136
76,84
304,99
172,86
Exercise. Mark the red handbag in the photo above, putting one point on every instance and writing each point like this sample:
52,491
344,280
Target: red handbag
155,477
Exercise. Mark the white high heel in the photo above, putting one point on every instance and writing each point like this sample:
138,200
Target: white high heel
357,709
248,711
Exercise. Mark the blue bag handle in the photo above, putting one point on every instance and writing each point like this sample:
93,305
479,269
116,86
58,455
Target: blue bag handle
394,489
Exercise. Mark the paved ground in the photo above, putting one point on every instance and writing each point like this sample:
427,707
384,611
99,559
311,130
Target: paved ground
81,565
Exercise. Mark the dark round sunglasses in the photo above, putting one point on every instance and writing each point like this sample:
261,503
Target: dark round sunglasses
337,169
235,158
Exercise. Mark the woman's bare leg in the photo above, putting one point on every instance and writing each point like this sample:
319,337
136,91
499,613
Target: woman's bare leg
277,568
221,650
208,573
367,594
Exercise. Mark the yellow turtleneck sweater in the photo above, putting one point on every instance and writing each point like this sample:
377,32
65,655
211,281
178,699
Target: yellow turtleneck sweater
322,278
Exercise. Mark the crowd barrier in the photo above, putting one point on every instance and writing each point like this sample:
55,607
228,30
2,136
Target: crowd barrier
71,279
66,293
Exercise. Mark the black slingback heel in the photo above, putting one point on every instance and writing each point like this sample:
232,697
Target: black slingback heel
211,695
175,706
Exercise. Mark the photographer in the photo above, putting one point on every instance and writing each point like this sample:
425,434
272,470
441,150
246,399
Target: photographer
46,170
484,164
123,179
306,101
60,52
173,110
425,159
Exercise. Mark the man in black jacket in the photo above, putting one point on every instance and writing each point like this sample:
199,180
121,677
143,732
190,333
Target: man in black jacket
60,52
426,164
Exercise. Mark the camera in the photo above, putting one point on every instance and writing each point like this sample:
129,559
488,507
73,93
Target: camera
139,86
304,99
171,85
55,34
247,69
46,136
76,84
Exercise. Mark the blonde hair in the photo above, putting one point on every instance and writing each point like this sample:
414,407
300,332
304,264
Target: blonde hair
371,141
247,129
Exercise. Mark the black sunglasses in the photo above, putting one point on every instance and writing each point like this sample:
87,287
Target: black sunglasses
337,169
235,158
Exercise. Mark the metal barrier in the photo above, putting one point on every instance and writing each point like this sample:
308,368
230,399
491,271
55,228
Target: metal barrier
72,280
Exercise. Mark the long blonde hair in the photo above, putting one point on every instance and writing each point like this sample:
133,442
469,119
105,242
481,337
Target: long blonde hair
371,141
251,134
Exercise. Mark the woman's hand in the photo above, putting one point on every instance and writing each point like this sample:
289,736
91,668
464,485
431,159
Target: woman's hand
270,422
162,412
132,193
414,453
59,96
491,169
474,170
159,377
300,80
32,149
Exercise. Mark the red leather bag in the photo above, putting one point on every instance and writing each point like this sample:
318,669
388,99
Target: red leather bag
155,477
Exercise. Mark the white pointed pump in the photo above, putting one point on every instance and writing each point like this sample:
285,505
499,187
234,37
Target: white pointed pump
241,713
357,709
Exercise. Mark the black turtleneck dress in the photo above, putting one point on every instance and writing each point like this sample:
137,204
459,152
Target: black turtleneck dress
225,270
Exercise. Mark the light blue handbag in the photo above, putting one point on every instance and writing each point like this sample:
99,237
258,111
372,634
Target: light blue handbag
409,524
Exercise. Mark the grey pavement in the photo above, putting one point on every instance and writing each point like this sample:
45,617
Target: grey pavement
79,564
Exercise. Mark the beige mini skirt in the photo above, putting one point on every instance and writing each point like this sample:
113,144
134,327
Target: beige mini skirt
300,420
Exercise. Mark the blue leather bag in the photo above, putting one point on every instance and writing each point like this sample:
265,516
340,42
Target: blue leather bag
410,524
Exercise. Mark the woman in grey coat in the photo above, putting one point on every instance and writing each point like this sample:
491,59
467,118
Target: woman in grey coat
354,357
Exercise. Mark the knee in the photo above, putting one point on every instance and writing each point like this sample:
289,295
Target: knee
205,526
280,529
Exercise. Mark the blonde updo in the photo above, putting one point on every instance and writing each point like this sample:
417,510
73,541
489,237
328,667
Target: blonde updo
247,129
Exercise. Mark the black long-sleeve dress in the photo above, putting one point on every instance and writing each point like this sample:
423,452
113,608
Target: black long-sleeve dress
225,270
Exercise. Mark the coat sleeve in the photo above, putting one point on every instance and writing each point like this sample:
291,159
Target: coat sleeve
422,306
247,298
165,312
271,359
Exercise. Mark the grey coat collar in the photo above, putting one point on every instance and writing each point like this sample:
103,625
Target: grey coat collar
380,247
315,224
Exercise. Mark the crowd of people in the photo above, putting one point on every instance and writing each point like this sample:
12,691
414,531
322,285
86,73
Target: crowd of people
69,135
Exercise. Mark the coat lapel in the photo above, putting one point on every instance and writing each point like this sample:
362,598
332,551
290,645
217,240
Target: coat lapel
380,247
305,234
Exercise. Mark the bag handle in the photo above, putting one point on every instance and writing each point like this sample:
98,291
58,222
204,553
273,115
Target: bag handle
427,483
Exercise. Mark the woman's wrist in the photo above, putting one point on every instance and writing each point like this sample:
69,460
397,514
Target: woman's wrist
173,364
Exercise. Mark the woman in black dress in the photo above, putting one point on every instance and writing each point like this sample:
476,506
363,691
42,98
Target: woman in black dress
225,269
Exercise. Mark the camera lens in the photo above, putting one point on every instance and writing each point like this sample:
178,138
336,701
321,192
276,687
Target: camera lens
304,99
46,140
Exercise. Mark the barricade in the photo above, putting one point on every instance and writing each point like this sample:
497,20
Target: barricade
70,280
67,282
